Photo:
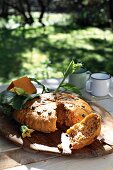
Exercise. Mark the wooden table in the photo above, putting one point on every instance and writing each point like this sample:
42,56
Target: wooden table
15,158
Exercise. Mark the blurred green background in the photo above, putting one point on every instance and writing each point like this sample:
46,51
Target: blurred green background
40,38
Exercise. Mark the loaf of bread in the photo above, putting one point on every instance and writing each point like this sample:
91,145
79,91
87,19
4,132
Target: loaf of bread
81,134
43,113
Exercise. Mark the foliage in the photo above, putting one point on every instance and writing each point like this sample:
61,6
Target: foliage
10,101
40,53
91,13
70,88
85,12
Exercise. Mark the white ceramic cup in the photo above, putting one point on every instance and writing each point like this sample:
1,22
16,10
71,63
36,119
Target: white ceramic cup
79,78
99,84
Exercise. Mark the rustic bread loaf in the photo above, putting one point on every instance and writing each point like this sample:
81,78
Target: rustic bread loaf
43,113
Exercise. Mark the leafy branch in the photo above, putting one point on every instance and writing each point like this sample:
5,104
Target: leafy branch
70,69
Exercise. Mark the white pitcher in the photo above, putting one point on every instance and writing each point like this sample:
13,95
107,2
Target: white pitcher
79,78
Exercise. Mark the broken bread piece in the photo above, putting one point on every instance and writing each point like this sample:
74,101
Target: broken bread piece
81,134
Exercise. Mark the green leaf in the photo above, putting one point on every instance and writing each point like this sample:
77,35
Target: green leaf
30,97
10,101
70,88
17,102
6,97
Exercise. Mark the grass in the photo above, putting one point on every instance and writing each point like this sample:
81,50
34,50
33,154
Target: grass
45,52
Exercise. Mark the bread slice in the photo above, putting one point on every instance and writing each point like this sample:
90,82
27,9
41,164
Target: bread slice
81,134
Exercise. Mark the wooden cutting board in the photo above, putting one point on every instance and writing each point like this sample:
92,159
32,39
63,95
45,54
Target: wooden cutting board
41,142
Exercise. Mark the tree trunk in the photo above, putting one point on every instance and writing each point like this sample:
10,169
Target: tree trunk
26,12
22,10
111,12
43,9
4,10
30,18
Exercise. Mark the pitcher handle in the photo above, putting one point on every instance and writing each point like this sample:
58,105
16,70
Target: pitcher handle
88,74
88,85
111,95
